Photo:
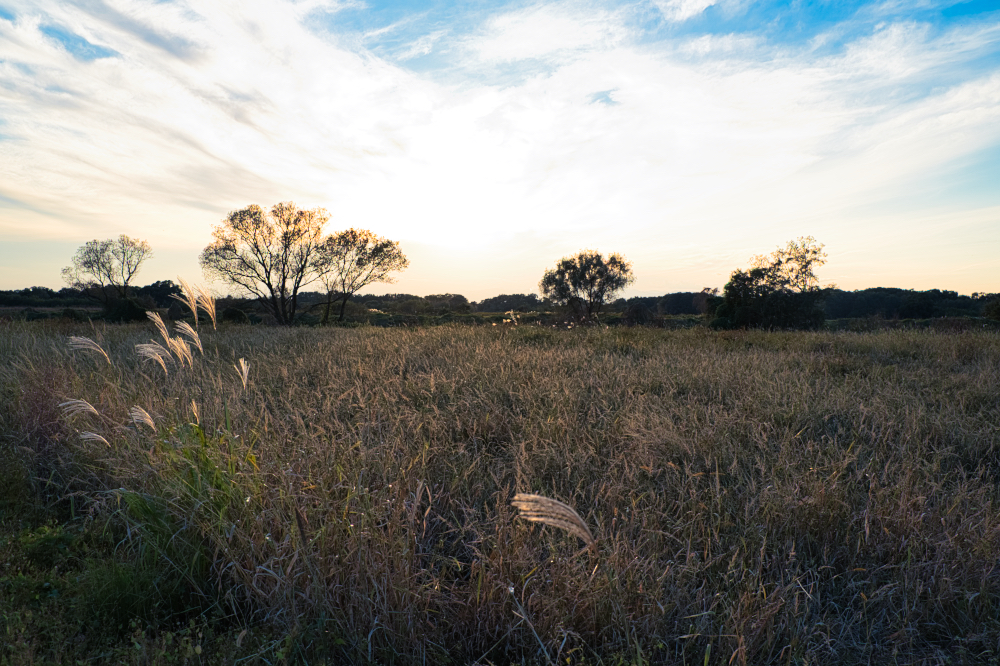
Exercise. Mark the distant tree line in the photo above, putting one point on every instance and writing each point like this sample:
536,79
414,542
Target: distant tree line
889,303
155,295
270,256
882,302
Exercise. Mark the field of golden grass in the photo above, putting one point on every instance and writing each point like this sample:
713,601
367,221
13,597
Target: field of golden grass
757,498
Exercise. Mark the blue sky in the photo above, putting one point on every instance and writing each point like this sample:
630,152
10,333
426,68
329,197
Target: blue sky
493,138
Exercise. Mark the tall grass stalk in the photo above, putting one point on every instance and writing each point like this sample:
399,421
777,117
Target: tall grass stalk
189,297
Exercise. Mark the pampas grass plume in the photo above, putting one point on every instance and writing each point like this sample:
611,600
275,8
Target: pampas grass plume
77,342
140,415
539,509
185,329
94,437
71,407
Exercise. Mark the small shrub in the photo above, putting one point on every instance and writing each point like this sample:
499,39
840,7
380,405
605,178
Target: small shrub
992,309
124,310
235,316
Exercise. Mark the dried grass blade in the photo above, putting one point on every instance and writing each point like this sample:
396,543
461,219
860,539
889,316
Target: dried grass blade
77,342
540,509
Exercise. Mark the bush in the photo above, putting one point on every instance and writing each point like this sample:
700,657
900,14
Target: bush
235,316
992,309
75,315
749,302
638,314
124,309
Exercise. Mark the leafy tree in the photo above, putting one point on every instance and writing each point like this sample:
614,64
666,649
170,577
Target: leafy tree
586,282
269,254
350,260
779,290
791,268
103,269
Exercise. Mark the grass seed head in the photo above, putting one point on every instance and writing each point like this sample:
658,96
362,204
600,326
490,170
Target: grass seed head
243,370
152,351
77,342
207,303
539,509
189,298
181,350
185,329
71,407
155,318
140,415
94,437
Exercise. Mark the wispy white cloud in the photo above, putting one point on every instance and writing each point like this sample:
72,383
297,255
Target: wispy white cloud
681,10
421,46
546,31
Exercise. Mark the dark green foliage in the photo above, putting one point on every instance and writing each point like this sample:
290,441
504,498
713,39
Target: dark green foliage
74,315
48,545
508,302
585,282
679,303
385,302
43,297
161,293
891,303
445,303
638,312
157,294
412,306
748,302
778,291
235,316
122,310
992,308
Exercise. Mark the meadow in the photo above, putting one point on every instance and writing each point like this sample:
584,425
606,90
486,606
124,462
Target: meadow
345,496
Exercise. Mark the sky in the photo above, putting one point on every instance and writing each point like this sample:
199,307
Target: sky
493,138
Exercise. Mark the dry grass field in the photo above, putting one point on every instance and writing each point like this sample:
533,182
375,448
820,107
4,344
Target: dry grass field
757,498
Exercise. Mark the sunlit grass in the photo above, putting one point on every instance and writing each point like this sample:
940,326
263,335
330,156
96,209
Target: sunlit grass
755,497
